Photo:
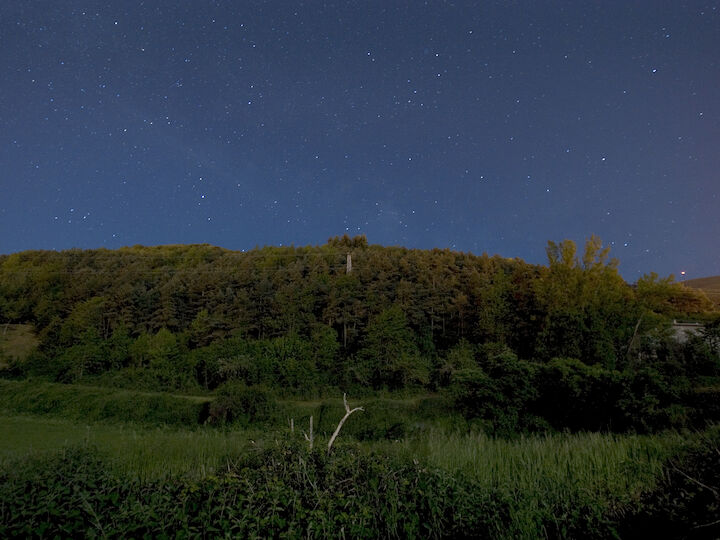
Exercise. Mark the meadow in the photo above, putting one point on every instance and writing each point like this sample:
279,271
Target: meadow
432,481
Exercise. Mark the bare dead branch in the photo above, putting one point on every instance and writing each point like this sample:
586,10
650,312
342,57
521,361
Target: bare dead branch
706,525
348,412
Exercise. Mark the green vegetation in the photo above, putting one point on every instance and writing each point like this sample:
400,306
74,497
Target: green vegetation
91,404
500,338
137,451
16,341
121,481
171,389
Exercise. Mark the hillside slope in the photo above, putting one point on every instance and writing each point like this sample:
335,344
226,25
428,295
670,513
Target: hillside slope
297,317
709,285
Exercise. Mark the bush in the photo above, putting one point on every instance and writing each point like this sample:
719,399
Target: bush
282,491
499,392
71,494
652,401
13,367
573,395
146,379
701,358
381,419
706,405
237,403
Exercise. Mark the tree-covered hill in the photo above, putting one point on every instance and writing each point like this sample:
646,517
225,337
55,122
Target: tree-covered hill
298,319
709,285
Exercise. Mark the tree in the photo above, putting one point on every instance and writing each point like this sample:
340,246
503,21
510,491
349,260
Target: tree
665,296
498,390
577,396
200,330
459,357
390,357
589,311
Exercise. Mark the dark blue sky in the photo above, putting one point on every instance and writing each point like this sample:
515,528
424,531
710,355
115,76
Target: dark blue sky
479,126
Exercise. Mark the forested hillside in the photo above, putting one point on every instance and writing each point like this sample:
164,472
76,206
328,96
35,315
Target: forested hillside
709,285
298,320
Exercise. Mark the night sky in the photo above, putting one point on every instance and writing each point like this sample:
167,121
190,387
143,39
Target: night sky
476,126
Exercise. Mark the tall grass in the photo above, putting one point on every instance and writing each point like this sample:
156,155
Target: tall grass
562,485
585,458
551,479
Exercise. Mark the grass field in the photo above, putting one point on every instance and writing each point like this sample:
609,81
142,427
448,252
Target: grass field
85,403
552,477
151,447
599,463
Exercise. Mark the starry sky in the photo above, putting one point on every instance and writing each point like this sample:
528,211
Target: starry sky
486,126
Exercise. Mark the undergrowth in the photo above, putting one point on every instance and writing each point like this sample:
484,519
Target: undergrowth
445,485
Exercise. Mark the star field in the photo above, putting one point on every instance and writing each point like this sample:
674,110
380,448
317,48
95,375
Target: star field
478,126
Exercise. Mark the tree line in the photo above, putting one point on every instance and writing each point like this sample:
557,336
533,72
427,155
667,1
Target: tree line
294,318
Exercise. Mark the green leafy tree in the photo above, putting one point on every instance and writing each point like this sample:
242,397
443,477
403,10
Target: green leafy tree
499,390
85,315
459,357
164,358
237,403
665,296
291,362
201,329
390,356
325,350
589,309
88,356
573,395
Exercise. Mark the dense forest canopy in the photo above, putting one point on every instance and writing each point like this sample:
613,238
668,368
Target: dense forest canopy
299,318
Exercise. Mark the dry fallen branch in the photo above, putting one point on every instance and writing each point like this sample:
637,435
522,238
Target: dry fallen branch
348,412
695,481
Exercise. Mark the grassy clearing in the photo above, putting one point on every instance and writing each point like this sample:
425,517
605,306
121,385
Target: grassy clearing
98,404
538,464
16,340
556,485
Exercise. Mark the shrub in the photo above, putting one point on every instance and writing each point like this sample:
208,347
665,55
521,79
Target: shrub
706,405
701,358
237,403
499,392
652,401
573,395
282,491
